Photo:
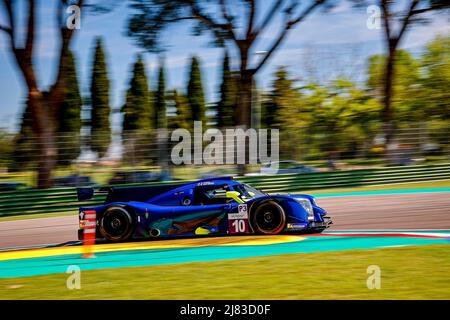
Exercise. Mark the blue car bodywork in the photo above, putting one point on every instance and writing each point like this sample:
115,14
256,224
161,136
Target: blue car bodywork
204,207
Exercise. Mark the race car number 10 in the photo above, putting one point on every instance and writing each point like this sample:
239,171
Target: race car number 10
238,222
239,226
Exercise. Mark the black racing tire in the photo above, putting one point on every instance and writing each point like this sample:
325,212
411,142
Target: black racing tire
116,224
268,218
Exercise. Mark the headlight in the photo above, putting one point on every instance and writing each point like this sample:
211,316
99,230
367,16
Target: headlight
306,204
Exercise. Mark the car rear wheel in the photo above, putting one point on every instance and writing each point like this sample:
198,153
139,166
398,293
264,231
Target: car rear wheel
116,224
269,218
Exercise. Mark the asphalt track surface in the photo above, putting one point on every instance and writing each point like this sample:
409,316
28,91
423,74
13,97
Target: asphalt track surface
368,212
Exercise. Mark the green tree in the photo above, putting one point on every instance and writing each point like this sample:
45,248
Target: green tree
397,19
181,116
322,119
256,106
161,120
228,96
25,152
242,28
407,107
195,95
138,117
339,118
68,123
6,148
43,108
280,107
138,108
348,118
435,65
160,100
100,109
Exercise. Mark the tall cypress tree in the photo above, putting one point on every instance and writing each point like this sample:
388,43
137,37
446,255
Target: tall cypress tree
100,112
182,112
161,120
69,116
160,100
228,96
195,94
282,89
137,116
138,107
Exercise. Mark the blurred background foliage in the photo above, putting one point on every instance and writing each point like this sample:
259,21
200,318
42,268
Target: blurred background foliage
336,119
332,117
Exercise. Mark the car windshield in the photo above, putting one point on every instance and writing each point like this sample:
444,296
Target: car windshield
247,192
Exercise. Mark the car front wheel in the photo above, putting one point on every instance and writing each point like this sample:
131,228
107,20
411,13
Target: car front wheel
269,218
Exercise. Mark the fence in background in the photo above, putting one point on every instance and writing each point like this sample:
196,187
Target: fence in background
126,152
65,199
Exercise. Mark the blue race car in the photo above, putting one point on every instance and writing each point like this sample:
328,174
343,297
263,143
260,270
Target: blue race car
216,206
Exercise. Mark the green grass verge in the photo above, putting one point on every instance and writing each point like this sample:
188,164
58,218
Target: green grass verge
406,273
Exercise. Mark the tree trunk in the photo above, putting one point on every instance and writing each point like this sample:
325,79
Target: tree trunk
47,158
245,100
44,129
387,113
44,107
244,111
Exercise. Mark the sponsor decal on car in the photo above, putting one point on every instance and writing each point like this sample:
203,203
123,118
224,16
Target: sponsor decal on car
205,183
296,226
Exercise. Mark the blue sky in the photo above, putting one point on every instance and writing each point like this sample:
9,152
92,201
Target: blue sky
324,45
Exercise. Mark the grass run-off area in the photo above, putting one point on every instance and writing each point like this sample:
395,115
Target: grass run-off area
420,272
399,186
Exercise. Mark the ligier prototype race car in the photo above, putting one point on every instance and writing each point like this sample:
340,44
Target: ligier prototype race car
216,206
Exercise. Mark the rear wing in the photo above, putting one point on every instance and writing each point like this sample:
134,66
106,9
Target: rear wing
88,193
85,193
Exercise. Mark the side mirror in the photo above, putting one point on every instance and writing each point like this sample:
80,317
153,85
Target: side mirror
234,195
